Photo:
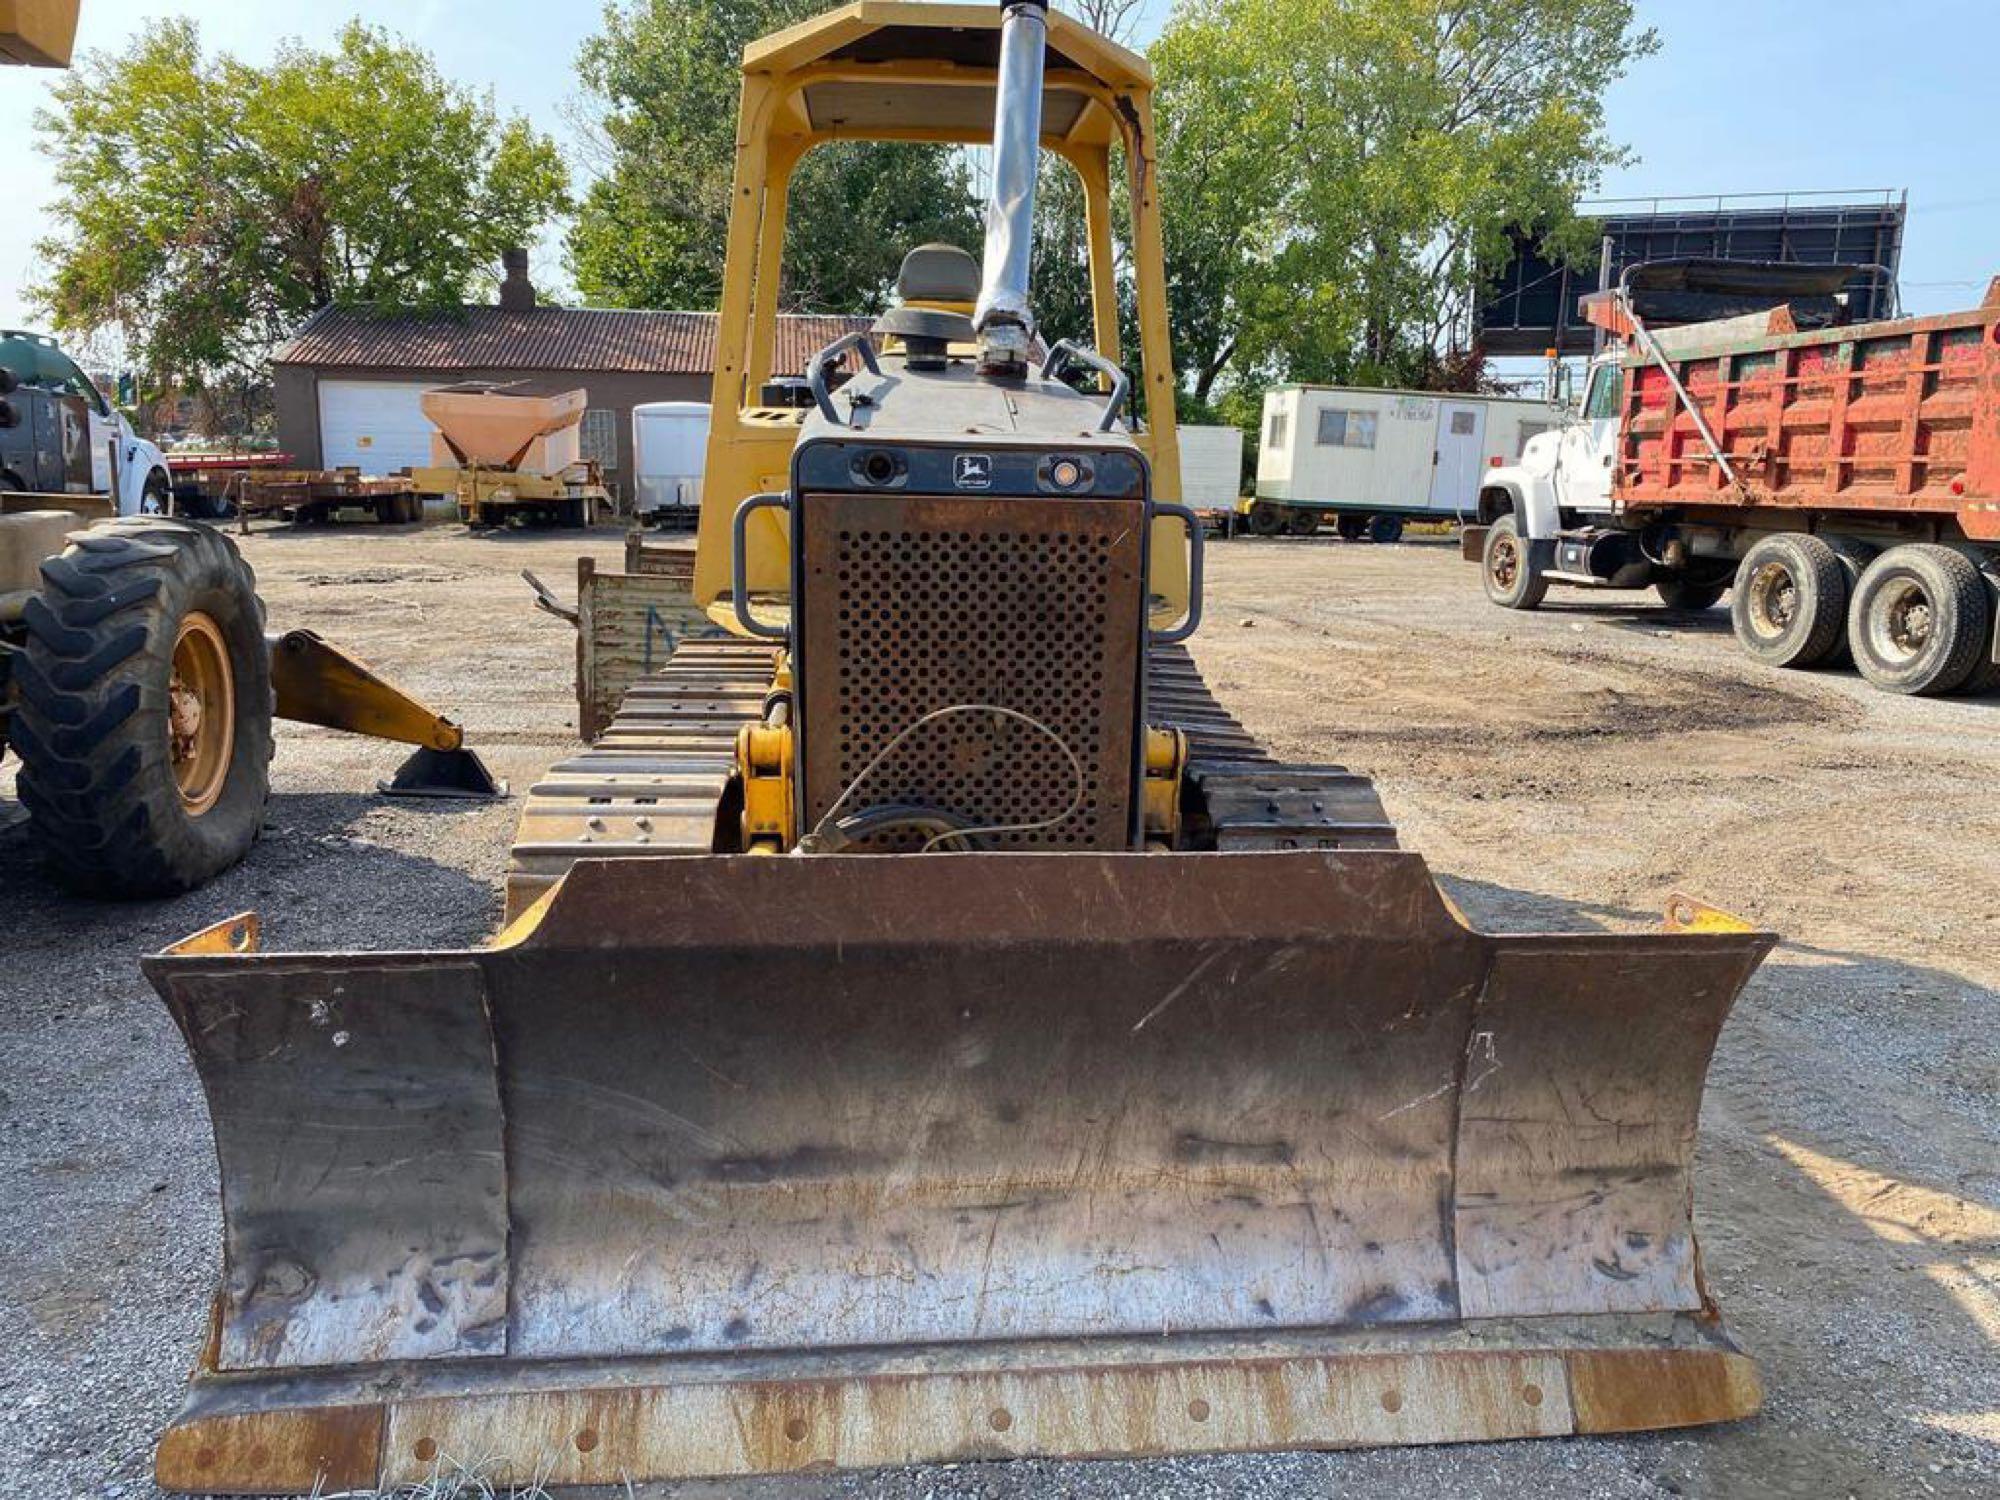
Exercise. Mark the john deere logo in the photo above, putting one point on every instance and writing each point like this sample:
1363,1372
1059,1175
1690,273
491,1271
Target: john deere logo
973,471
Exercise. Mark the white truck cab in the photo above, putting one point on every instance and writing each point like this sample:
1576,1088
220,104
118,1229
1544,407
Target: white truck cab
1552,517
1567,470
59,434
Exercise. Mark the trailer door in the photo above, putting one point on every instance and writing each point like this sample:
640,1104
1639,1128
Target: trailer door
1461,443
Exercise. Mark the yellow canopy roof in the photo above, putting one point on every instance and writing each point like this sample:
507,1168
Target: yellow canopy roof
889,68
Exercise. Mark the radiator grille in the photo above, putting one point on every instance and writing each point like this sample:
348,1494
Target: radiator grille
916,605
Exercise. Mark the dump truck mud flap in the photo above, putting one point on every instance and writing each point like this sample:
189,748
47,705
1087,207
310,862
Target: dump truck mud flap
729,1165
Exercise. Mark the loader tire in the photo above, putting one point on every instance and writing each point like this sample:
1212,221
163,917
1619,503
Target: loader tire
144,728
1514,576
1790,604
1921,620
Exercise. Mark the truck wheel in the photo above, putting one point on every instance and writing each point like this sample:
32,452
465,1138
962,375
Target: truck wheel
1683,594
1266,520
1385,530
144,728
1790,606
1303,523
1921,620
157,499
1352,528
1514,578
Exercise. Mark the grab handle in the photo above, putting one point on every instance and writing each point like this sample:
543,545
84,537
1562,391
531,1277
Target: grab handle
739,566
1192,623
1068,351
816,371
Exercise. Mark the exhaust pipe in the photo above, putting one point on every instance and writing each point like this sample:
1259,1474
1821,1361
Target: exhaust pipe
1003,317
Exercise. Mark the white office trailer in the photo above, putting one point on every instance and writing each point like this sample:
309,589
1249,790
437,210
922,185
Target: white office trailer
1373,459
669,457
1211,467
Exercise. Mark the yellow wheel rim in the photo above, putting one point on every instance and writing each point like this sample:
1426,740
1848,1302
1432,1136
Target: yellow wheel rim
201,713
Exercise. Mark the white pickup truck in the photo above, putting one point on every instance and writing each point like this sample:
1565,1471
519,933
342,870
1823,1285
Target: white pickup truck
60,436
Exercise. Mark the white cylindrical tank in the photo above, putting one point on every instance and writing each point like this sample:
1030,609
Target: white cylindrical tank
669,454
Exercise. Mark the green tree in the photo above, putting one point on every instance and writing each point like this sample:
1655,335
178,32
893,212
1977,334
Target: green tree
208,206
665,77
1340,175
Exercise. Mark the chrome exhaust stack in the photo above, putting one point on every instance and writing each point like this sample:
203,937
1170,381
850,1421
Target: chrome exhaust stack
1004,318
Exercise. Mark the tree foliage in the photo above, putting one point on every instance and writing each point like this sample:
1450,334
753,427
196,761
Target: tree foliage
208,206
1340,175
665,76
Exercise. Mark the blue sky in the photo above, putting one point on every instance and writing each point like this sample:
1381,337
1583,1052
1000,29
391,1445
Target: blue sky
1746,96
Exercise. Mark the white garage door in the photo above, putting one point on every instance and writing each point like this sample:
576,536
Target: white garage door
377,426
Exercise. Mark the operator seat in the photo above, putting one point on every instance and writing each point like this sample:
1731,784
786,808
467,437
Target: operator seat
939,286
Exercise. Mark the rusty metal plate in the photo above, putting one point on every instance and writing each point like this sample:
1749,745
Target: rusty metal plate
357,1125
808,1104
916,604
320,1451
597,1425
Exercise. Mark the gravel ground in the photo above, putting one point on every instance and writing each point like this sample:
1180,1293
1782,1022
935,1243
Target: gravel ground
1566,769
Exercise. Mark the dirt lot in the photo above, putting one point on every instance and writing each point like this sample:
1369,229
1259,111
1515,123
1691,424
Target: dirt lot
1564,769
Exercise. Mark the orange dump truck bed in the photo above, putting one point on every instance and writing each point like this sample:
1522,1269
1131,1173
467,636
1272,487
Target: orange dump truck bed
1897,417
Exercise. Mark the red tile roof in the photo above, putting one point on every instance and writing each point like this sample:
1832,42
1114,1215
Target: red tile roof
548,338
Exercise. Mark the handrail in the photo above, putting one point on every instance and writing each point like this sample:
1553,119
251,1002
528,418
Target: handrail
1068,351
817,368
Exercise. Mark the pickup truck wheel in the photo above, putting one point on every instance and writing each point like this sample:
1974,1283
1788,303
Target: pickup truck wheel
1514,577
1688,597
1921,621
1790,605
1266,520
144,728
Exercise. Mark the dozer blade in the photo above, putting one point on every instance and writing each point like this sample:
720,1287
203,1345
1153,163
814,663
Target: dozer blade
719,1166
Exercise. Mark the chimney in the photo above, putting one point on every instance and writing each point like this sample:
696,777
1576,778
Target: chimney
517,292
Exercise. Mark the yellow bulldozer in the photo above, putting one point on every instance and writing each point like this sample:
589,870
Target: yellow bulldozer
929,1026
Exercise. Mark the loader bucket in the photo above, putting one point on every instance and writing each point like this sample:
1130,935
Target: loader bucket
720,1166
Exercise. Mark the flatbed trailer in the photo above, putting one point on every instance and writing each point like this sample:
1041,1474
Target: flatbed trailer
1841,481
258,485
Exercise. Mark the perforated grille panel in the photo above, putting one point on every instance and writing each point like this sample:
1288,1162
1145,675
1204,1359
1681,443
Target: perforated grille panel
916,605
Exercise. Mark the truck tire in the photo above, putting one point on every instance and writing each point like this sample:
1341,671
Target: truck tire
1921,620
1513,574
157,498
1352,527
1266,520
144,728
1385,531
1303,523
1790,604
1683,595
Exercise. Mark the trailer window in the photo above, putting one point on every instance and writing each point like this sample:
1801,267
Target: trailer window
1607,394
1278,431
1346,429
